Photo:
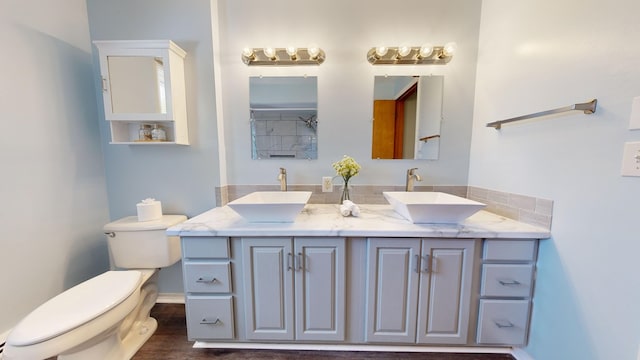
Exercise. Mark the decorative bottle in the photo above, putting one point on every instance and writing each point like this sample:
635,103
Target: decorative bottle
144,134
158,133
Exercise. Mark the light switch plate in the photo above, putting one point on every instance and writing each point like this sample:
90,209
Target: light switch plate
631,159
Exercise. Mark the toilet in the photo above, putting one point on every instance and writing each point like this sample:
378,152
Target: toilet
105,317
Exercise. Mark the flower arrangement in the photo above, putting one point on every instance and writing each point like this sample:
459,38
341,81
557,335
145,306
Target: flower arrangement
347,168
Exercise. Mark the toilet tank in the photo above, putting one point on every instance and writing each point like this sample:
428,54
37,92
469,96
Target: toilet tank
137,244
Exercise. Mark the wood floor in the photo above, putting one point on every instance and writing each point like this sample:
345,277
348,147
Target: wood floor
170,343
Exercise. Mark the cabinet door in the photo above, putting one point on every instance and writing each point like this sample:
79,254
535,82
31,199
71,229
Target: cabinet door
392,289
445,291
268,286
320,288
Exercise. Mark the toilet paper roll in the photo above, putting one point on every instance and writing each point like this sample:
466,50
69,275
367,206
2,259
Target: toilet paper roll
149,209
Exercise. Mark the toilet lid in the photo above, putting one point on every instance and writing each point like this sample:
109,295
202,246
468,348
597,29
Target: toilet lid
74,307
131,223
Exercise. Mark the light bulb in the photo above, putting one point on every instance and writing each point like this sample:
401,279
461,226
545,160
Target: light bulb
313,51
270,53
404,51
381,51
291,50
247,52
449,49
425,51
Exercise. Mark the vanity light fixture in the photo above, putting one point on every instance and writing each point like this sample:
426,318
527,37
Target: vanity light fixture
416,55
283,56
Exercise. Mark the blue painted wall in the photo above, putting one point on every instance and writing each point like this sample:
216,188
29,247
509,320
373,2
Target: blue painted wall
182,177
537,55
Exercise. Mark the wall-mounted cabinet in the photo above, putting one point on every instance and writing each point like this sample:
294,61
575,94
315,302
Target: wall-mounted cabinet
143,87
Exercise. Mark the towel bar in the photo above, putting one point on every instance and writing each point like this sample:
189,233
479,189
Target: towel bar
588,108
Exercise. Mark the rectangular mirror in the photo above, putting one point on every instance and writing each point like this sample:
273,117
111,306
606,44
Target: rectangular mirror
284,117
137,85
407,112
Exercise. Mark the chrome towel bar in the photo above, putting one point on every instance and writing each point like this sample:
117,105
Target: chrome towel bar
588,108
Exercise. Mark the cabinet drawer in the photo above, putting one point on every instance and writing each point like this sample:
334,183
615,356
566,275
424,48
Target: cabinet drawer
210,317
511,280
205,247
503,322
210,277
509,250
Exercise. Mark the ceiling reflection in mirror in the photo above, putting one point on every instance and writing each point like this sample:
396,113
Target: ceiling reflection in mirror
284,117
407,113
137,85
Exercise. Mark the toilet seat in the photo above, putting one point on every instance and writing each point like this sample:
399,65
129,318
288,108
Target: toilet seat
75,307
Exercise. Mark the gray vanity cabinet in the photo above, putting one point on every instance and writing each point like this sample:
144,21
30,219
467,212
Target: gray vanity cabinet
419,290
294,288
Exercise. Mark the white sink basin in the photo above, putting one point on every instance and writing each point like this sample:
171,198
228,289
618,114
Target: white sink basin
432,207
271,206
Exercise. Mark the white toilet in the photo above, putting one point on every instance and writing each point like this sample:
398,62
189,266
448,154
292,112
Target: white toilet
106,317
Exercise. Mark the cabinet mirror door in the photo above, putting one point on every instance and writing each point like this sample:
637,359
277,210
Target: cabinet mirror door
137,85
407,112
284,117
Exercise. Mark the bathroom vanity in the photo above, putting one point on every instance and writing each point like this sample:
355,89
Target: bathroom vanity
373,279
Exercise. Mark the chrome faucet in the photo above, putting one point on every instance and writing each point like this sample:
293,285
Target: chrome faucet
411,176
282,177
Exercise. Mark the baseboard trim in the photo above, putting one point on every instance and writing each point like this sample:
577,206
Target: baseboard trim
517,353
520,354
351,347
170,298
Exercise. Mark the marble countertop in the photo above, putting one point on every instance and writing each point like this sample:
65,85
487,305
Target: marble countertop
374,221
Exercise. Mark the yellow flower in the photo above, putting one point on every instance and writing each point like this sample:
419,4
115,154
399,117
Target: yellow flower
347,168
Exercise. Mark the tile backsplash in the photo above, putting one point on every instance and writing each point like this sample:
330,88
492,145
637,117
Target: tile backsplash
527,209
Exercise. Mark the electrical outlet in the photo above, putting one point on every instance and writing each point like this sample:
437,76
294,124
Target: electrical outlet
327,184
631,159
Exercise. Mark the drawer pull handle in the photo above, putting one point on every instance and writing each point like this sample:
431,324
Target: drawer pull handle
289,256
427,263
209,322
203,280
509,282
417,263
502,324
299,262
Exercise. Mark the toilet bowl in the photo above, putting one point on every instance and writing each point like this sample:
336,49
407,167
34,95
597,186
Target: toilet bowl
105,317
